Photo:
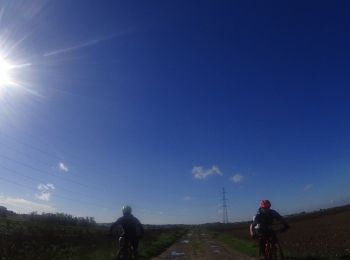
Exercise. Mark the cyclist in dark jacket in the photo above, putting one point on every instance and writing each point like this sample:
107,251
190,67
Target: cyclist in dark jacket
132,228
262,223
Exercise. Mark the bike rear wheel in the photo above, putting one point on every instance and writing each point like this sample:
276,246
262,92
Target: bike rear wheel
125,251
124,255
273,251
279,252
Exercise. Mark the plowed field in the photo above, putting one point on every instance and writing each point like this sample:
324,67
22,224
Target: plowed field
319,234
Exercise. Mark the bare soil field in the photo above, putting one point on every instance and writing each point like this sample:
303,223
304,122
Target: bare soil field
321,234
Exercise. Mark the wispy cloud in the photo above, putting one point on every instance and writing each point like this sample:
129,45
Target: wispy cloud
21,205
201,173
237,178
308,187
188,198
63,167
44,191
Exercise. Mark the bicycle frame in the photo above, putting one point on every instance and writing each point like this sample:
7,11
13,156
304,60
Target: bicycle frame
272,248
126,251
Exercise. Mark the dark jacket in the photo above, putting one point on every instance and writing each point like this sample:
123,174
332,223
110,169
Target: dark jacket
132,228
266,219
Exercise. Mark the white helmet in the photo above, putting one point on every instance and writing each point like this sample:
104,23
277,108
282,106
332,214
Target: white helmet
126,210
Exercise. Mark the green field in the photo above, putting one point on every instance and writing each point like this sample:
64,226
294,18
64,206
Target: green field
244,246
35,240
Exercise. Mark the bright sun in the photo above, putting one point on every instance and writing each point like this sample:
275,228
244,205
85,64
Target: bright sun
9,73
5,74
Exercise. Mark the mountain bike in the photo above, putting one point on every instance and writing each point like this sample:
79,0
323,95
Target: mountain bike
126,250
272,248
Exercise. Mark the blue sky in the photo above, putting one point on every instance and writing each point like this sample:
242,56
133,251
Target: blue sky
162,104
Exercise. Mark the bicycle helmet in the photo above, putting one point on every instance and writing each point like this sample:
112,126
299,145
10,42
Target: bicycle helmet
126,210
265,204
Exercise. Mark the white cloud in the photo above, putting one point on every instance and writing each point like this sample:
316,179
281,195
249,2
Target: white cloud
308,187
44,191
237,178
46,187
43,196
63,167
50,186
201,173
20,205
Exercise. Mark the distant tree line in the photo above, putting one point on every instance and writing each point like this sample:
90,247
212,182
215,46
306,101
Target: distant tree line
50,218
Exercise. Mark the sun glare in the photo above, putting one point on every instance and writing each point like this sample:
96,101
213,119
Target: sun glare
5,78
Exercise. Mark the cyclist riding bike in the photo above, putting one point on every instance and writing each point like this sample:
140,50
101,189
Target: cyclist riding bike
262,224
132,229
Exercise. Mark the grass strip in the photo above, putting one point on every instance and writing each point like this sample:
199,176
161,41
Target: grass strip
158,246
243,246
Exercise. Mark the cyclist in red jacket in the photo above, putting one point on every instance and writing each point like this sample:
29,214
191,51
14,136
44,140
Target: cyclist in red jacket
262,223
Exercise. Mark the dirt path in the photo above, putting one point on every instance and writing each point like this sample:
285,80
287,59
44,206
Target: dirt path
197,245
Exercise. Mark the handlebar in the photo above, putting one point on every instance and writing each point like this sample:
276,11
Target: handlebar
275,231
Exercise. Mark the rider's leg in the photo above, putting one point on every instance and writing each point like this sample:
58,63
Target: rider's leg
135,245
122,246
261,248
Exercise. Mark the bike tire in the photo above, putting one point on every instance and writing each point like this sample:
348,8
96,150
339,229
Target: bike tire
124,257
273,251
279,252
268,251
125,251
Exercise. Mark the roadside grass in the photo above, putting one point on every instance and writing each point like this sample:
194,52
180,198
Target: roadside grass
197,246
104,251
32,240
243,246
290,256
316,258
155,247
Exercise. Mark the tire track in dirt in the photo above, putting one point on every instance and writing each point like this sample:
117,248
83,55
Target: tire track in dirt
197,245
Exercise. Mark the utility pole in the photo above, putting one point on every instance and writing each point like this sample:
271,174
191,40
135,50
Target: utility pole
224,207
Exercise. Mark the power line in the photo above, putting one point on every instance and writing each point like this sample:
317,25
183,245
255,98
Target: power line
48,154
40,161
31,146
45,172
10,147
42,181
59,177
54,195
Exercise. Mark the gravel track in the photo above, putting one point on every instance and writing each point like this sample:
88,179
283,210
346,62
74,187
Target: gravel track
197,245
